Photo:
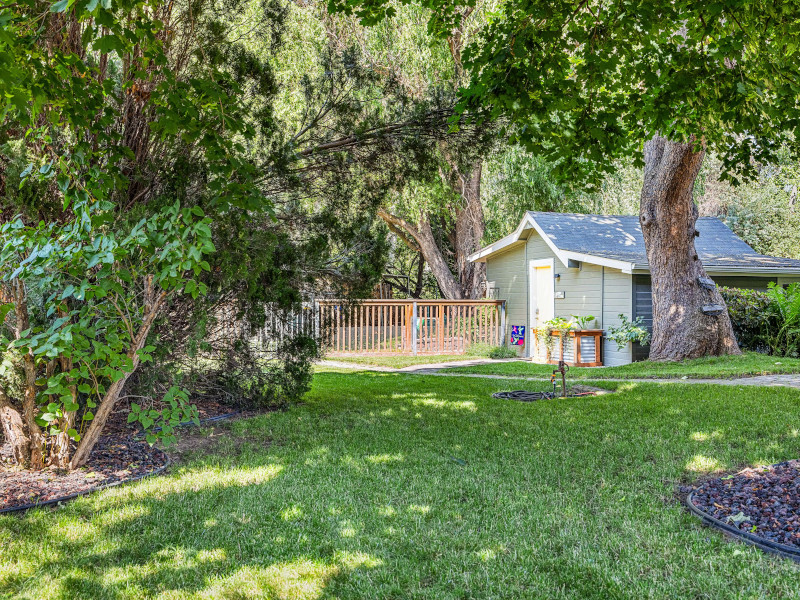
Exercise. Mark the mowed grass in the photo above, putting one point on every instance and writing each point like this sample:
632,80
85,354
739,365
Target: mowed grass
748,364
402,486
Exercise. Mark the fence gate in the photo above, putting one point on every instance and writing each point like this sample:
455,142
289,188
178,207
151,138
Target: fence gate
410,326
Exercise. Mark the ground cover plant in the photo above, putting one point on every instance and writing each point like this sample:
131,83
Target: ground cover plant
389,485
715,367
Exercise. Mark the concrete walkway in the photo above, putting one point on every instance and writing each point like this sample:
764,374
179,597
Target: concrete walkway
439,370
424,369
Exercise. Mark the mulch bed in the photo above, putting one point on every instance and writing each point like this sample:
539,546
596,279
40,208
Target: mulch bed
762,502
118,422
112,461
118,457
575,391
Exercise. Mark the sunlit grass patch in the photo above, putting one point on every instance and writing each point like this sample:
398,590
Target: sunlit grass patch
404,486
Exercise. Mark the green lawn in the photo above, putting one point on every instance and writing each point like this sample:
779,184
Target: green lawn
749,363
403,486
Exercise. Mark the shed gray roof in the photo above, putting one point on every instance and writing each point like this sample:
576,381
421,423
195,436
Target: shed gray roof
620,238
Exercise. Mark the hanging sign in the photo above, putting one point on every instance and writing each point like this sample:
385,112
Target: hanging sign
518,335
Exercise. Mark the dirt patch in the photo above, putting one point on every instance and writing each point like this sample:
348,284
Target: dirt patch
214,438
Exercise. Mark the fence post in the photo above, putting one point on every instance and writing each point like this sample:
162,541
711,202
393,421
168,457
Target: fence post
414,322
316,325
502,322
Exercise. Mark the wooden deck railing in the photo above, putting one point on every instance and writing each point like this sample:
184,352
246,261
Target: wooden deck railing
410,326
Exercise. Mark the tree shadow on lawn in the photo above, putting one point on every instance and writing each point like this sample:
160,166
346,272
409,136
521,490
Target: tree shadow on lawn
190,538
391,481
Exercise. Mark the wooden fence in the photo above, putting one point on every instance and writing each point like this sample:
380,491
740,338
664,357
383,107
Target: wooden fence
409,326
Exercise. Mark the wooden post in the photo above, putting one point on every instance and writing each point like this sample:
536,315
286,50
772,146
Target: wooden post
440,327
414,321
503,340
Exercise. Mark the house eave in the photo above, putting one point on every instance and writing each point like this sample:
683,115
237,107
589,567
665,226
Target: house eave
503,243
625,267
640,269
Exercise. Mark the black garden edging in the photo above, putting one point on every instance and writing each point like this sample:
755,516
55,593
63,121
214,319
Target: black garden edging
744,536
157,471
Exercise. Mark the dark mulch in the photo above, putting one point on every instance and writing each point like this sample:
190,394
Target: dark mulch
113,460
527,396
763,501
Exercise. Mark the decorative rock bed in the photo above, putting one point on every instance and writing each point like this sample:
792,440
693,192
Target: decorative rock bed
760,506
111,463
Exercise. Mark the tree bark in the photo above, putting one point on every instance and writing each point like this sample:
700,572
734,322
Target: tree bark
420,283
465,237
29,407
106,405
14,431
60,449
668,217
423,237
470,226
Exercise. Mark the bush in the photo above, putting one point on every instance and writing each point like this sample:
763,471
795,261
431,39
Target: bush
483,350
502,352
785,306
629,331
752,317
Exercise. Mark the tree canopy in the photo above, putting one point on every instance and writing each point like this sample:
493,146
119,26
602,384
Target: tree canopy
589,82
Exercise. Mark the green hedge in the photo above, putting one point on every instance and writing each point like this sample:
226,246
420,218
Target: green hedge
752,317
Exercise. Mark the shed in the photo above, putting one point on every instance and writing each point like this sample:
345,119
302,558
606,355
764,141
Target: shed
563,265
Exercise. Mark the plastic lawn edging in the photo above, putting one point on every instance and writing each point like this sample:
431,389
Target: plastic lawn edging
158,471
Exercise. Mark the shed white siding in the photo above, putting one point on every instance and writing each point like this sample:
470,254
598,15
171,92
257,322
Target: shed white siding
602,292
605,292
506,272
617,299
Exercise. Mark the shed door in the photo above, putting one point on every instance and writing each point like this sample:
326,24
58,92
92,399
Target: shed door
542,291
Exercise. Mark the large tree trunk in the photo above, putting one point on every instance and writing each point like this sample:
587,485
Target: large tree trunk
668,217
14,431
470,226
465,238
423,240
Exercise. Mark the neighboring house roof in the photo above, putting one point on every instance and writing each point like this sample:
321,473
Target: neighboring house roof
616,241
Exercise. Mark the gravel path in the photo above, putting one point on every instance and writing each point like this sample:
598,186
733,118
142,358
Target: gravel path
439,370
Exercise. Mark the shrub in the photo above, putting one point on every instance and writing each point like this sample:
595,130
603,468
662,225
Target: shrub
752,318
502,352
785,306
629,331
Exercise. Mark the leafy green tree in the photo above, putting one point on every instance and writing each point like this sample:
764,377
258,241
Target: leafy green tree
148,189
434,206
587,83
